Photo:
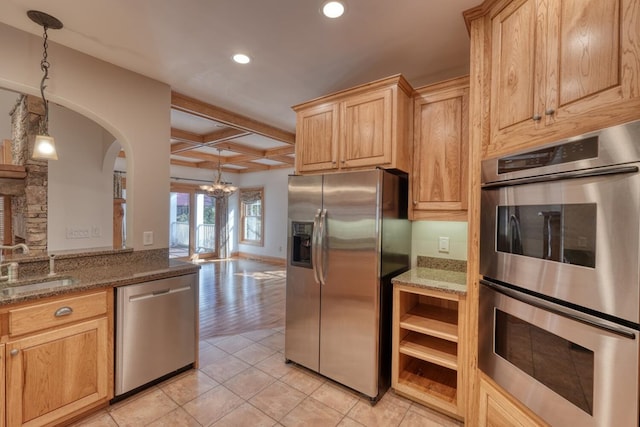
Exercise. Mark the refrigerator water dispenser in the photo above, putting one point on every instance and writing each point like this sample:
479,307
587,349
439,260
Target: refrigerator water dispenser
301,247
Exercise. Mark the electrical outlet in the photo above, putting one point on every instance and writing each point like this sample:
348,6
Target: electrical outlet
147,238
443,244
96,231
77,233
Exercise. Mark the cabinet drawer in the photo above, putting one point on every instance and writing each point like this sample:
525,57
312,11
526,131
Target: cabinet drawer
50,314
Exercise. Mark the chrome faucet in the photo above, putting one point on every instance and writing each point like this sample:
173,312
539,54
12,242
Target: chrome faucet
25,249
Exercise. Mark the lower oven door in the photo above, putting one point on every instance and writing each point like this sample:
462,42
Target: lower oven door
578,371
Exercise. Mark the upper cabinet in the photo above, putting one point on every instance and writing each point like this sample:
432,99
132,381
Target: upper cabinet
359,128
440,167
557,68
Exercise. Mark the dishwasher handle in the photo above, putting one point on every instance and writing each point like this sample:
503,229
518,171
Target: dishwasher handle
158,293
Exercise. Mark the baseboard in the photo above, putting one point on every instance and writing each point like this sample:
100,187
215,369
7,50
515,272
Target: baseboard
261,258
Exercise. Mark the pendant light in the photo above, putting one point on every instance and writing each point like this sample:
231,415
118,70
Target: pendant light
219,189
44,147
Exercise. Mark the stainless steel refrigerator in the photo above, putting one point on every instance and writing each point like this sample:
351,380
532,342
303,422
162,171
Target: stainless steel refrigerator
348,236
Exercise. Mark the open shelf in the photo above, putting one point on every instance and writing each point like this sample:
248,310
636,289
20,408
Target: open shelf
430,379
430,349
428,333
432,320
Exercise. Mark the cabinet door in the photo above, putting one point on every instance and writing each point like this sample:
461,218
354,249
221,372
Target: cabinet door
497,410
585,67
440,152
561,68
366,138
518,66
317,138
73,359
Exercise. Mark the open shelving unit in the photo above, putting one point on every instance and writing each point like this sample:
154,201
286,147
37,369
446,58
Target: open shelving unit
427,347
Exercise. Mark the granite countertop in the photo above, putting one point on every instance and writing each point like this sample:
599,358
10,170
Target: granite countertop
94,277
432,278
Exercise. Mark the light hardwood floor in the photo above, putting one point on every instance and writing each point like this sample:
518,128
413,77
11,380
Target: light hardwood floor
240,295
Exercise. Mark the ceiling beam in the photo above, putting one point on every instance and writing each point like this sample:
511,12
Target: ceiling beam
199,108
183,146
223,135
183,135
280,151
183,163
238,148
201,156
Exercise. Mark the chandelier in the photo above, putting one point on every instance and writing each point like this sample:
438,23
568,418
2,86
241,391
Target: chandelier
219,188
44,147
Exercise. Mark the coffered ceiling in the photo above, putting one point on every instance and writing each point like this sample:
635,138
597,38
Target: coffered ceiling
203,135
297,55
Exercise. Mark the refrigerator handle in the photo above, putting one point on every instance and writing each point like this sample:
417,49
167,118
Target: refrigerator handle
314,246
322,243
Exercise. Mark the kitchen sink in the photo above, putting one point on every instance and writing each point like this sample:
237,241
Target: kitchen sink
15,289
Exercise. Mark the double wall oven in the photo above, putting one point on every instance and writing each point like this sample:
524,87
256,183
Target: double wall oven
560,294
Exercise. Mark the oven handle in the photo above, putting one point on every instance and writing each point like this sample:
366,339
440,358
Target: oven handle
560,310
611,170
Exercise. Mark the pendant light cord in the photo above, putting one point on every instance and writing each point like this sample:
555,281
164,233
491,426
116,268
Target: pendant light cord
44,66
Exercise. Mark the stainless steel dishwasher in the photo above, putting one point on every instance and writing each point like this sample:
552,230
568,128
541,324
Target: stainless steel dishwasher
155,330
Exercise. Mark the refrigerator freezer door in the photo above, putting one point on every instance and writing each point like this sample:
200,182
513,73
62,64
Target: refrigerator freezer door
302,325
349,320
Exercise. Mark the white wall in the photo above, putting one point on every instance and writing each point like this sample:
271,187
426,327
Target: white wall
80,190
275,212
133,108
425,235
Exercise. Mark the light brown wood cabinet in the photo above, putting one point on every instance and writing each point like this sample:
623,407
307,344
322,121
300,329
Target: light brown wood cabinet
359,128
2,386
427,348
558,68
58,358
440,161
497,409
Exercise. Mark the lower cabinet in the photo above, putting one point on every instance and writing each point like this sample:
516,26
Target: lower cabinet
64,368
497,409
427,347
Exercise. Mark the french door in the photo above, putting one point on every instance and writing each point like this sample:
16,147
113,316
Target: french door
194,225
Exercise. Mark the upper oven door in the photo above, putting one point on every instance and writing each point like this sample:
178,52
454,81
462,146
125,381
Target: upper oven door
575,239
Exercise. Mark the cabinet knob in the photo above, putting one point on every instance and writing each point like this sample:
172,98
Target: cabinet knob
343,161
549,111
536,117
14,352
415,202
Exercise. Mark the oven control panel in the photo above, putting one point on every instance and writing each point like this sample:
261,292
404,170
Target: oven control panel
582,149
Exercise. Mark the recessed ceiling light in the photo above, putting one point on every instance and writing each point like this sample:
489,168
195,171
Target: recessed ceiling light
241,58
333,9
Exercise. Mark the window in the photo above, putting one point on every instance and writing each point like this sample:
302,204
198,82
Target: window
251,216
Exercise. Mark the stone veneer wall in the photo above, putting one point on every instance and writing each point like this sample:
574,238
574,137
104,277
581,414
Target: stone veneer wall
29,211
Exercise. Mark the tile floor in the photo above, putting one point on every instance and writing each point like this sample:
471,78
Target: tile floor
243,381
